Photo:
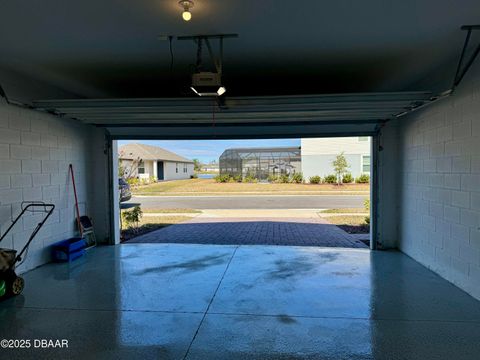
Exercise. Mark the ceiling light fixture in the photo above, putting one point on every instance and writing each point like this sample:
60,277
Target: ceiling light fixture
186,5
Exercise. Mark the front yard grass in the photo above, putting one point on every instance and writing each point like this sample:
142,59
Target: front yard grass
352,224
196,187
345,211
172,211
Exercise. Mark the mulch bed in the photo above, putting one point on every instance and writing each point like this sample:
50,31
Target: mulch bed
128,234
355,229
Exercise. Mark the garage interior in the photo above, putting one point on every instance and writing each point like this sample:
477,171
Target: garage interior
76,78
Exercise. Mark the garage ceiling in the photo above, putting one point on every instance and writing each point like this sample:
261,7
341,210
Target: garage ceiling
379,57
110,48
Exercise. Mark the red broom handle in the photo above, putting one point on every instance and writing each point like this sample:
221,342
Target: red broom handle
70,168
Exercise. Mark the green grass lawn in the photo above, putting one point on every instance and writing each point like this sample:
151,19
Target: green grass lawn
345,211
171,211
191,187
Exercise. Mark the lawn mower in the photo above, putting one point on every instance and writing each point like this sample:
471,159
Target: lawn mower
10,283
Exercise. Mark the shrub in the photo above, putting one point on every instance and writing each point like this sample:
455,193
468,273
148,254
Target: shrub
297,178
133,182
194,176
132,217
273,178
237,178
222,178
284,179
250,179
366,203
330,179
315,179
363,179
367,220
347,178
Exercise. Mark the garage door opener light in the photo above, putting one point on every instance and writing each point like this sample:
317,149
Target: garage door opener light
208,83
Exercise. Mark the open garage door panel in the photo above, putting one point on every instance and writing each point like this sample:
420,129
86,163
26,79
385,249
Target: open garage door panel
240,117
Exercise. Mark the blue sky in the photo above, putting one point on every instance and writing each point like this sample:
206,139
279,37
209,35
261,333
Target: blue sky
209,150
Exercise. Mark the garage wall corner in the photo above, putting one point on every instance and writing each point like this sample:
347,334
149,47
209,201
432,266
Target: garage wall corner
439,175
35,152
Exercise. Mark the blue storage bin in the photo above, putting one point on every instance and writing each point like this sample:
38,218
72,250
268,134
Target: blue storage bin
68,250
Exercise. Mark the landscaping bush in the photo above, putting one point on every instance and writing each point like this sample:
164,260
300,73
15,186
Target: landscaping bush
250,179
315,179
363,179
273,178
222,178
297,178
347,178
133,182
366,203
284,179
330,179
132,217
237,178
194,176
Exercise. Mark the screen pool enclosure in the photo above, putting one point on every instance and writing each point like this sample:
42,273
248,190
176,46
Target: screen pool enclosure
260,163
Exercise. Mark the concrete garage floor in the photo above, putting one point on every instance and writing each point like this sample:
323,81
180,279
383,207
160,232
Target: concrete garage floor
174,301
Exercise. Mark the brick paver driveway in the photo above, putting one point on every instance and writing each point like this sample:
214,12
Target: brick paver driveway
253,231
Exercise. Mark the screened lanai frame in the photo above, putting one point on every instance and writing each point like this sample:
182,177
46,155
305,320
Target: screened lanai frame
260,163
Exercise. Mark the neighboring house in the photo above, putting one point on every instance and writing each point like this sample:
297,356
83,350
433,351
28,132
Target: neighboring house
211,167
154,162
260,163
319,153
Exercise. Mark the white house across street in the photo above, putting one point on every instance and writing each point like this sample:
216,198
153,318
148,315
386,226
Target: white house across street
147,162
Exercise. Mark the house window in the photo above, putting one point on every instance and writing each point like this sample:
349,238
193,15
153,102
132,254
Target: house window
176,168
185,168
363,138
141,167
366,163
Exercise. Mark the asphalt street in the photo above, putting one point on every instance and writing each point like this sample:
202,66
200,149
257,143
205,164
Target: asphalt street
249,202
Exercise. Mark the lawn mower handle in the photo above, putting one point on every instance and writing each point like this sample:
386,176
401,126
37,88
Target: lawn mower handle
46,208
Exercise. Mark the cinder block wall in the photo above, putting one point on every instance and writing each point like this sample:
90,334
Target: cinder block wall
35,151
439,185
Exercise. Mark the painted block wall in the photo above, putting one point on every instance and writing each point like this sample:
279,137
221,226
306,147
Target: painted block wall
35,151
439,185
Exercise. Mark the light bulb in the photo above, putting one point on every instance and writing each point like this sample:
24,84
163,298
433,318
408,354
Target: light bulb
186,15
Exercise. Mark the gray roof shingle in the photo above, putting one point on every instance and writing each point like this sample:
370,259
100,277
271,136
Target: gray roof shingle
148,152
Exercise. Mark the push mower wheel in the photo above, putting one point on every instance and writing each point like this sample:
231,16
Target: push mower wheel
18,285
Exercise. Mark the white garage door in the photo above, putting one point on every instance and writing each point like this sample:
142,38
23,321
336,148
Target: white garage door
240,117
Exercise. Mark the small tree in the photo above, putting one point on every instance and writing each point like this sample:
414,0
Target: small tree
340,165
197,166
127,170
